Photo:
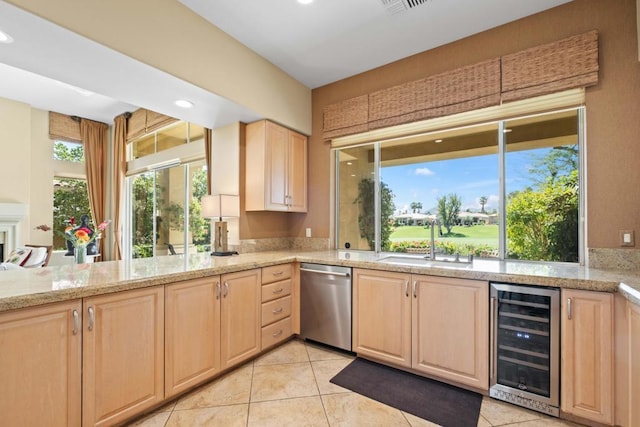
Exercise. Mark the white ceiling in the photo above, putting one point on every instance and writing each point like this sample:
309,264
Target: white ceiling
317,44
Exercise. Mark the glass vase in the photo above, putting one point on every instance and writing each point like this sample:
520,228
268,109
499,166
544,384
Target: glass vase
80,254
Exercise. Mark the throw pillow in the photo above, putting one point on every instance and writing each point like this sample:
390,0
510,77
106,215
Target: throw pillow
19,256
36,259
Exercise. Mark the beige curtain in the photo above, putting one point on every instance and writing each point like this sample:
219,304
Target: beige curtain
207,155
119,170
94,139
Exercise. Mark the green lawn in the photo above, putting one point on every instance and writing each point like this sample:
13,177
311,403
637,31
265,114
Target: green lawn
475,234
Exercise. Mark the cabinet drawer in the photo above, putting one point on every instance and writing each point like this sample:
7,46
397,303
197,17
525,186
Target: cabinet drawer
275,273
276,310
276,290
276,332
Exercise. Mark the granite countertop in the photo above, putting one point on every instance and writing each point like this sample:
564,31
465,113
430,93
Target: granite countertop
29,287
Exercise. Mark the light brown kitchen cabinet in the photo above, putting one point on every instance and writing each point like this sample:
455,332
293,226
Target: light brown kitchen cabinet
240,316
275,168
587,355
633,313
40,365
123,355
277,304
627,362
382,316
451,328
192,333
433,325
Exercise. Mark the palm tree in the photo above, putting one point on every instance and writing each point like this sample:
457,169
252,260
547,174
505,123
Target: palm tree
415,206
483,201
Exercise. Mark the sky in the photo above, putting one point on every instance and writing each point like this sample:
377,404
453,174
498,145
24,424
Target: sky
470,178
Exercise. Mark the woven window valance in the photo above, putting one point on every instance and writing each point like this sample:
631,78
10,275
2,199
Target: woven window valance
64,127
143,121
566,64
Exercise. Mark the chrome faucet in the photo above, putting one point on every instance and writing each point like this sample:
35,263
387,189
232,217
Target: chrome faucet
432,249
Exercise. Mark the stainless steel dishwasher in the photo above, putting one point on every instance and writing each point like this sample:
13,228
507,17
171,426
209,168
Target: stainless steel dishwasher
325,304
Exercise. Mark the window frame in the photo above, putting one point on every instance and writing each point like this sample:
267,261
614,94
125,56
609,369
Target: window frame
502,206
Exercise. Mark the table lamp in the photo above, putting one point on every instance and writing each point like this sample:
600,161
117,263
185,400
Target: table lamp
221,206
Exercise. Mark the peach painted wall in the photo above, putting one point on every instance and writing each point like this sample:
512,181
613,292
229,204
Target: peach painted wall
613,108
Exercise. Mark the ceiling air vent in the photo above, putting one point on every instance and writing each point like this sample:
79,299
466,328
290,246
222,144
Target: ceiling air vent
397,6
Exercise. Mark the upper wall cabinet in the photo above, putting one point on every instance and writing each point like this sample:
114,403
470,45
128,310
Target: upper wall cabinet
276,168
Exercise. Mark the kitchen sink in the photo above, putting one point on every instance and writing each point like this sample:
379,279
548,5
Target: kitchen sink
420,261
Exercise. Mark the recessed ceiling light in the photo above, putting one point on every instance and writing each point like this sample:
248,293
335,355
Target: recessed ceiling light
438,141
349,163
507,130
5,38
183,103
305,1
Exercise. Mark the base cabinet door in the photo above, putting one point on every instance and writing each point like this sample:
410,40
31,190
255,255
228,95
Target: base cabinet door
123,355
192,333
587,355
40,365
451,329
240,316
382,316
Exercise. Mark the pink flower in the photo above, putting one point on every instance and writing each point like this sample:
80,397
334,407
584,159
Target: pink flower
103,225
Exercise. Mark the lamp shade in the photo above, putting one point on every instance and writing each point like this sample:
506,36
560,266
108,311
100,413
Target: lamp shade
220,206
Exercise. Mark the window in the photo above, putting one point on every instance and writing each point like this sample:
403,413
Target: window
70,200
70,195
168,177
166,138
462,182
68,151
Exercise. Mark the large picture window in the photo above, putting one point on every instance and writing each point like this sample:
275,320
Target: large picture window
166,182
507,189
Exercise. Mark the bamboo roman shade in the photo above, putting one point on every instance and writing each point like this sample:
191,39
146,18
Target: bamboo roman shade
566,64
63,127
143,121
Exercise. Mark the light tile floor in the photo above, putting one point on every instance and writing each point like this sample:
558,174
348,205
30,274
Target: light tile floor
289,386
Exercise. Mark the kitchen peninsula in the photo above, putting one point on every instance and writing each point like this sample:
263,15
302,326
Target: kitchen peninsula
141,289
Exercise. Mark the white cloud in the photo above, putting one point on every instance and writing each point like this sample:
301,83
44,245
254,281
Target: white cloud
424,172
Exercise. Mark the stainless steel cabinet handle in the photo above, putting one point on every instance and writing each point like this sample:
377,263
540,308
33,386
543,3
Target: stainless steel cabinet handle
415,289
406,288
331,273
277,310
217,290
226,289
91,318
76,322
277,334
277,291
569,309
492,340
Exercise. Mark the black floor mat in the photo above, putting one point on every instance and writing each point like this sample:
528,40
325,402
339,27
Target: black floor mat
425,398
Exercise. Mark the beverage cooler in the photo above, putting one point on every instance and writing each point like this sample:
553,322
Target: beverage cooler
525,346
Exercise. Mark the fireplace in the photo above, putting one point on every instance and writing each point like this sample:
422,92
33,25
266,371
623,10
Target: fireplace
11,215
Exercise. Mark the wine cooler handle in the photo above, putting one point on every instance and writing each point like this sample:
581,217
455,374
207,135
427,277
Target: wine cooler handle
493,356
569,309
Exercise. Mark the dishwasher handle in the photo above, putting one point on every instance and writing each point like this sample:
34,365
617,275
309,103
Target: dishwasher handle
329,273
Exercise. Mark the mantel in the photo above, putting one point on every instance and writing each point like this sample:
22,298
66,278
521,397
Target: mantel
13,212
